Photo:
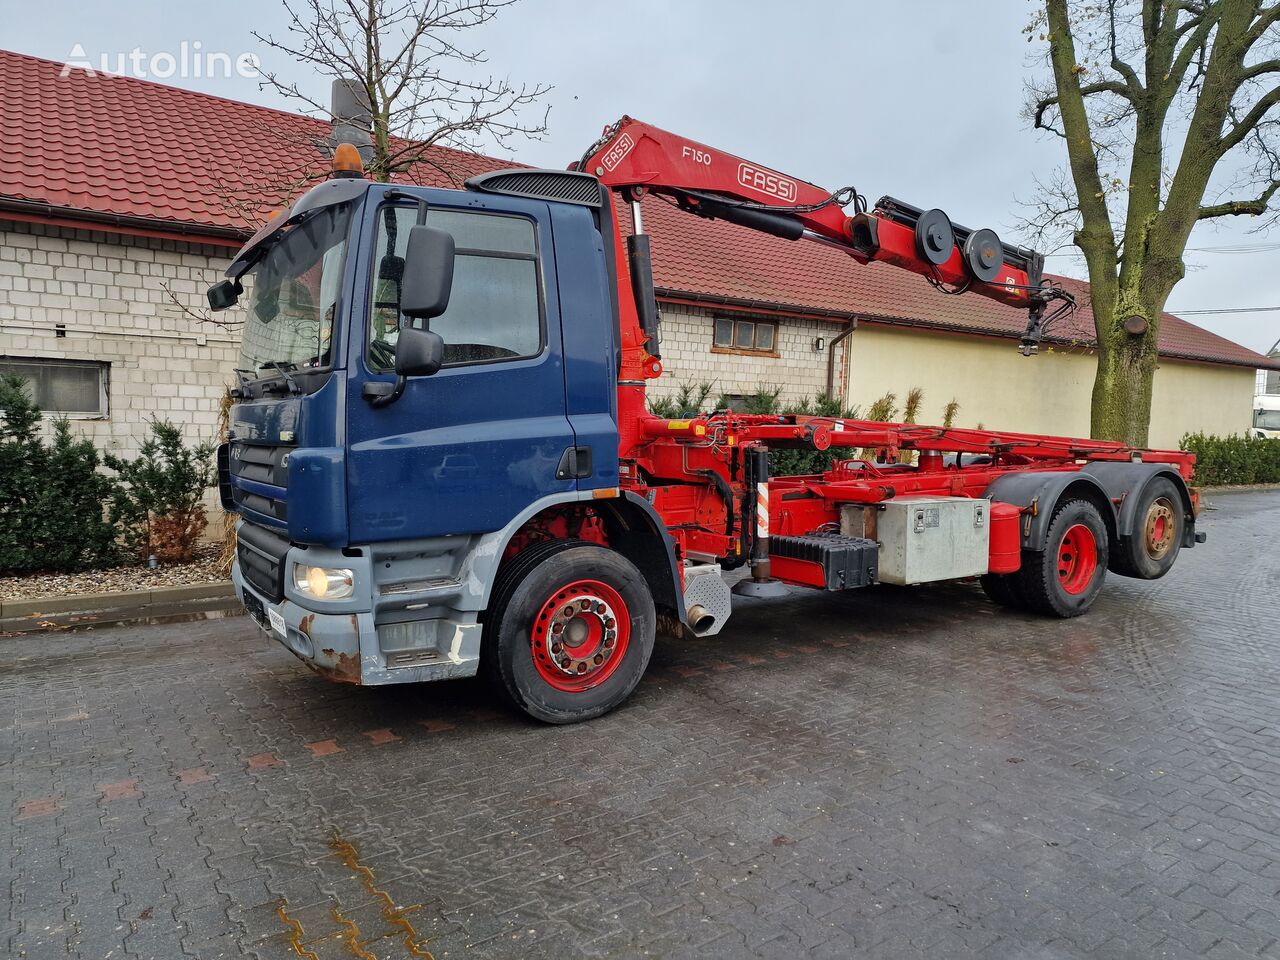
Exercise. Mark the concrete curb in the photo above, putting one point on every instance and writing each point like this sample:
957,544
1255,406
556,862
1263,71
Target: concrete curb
124,600
1243,488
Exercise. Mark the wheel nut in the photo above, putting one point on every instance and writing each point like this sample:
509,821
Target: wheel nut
568,611
600,607
610,623
582,666
557,628
556,648
584,605
598,659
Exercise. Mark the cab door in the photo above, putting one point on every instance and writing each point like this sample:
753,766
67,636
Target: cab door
465,450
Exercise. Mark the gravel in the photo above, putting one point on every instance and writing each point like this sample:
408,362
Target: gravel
205,568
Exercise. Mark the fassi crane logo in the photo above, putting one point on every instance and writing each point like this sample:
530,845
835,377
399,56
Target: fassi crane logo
767,182
617,152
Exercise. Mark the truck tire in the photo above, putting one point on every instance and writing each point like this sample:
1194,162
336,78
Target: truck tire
1153,547
1004,589
1064,578
569,630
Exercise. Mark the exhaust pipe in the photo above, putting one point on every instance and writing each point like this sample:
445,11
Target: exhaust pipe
700,619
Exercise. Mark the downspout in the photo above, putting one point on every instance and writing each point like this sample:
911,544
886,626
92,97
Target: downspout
831,357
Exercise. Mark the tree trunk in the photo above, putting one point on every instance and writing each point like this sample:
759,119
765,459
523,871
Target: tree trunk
1126,370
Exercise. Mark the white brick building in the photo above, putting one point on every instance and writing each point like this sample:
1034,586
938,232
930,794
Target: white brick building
90,317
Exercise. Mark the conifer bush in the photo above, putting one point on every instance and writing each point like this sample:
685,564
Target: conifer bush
53,499
158,505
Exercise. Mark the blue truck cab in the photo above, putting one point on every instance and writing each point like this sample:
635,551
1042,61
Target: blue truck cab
375,507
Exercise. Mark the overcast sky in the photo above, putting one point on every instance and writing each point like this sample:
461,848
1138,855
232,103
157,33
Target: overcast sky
915,99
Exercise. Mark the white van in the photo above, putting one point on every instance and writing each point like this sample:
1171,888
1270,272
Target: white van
1266,416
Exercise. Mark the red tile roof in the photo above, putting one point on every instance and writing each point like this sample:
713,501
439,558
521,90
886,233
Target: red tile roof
121,147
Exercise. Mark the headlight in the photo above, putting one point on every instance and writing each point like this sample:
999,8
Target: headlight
323,583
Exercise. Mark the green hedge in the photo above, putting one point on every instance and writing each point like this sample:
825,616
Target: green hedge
53,500
60,511
1226,461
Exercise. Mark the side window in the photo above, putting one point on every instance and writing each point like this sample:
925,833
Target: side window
495,309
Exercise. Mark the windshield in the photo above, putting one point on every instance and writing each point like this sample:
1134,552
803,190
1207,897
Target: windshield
1266,419
294,295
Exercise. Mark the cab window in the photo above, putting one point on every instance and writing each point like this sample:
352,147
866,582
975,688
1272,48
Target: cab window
495,308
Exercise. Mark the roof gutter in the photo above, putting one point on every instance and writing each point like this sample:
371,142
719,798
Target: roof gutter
37,210
818,313
764,306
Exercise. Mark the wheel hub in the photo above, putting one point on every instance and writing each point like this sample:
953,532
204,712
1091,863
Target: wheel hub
580,635
1158,529
1077,558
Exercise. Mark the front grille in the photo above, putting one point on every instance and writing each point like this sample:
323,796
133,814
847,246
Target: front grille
567,186
263,464
260,464
261,554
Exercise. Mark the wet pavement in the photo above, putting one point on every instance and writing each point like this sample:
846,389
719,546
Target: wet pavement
890,773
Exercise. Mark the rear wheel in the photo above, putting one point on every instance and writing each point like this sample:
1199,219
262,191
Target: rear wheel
1150,551
1064,579
570,630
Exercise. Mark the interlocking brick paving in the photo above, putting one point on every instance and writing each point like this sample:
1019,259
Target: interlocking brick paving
891,773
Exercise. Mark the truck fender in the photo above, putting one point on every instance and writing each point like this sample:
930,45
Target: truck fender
1124,482
647,544
636,531
1042,491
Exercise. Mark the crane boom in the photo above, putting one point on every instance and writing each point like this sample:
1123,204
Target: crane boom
635,158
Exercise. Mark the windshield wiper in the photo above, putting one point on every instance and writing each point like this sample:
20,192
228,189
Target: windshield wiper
286,372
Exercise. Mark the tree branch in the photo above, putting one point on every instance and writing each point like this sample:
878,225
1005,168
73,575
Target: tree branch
1118,65
1251,119
1096,238
1239,208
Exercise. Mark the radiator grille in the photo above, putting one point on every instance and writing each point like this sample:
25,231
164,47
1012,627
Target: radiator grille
261,464
261,555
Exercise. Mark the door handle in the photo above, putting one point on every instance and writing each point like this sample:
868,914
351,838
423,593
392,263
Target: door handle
575,464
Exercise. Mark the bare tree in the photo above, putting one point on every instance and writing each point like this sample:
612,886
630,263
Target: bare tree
1168,113
423,86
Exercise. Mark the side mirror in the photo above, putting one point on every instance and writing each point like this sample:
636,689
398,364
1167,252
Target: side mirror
419,353
224,294
428,274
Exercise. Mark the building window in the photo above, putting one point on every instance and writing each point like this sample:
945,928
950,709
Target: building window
745,336
74,388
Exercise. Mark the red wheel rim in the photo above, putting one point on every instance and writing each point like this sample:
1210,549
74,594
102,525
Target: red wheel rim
1077,558
580,636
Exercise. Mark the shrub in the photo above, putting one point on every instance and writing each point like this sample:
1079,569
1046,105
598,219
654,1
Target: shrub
790,463
763,402
52,498
1223,461
687,402
159,502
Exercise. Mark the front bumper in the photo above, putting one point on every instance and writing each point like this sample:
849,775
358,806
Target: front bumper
364,639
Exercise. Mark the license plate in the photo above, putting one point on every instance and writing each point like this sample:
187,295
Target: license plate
277,622
255,609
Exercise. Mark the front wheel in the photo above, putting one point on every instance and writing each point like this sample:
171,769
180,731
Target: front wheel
1064,578
570,630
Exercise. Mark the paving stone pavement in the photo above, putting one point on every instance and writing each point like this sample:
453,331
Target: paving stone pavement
888,773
